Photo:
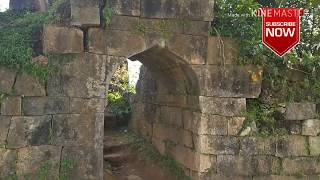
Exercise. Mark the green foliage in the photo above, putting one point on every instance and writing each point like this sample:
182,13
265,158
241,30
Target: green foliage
146,149
44,170
2,97
65,168
141,29
267,118
19,30
294,77
236,19
107,14
119,93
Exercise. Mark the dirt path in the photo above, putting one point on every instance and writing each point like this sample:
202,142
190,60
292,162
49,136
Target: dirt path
122,162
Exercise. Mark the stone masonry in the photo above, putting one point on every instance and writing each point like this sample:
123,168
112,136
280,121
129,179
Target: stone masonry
190,102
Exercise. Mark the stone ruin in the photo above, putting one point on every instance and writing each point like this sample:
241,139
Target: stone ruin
190,97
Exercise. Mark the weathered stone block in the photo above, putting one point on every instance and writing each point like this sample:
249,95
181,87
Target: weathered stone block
32,159
233,81
193,160
196,28
291,146
88,162
97,42
311,127
314,143
235,165
171,116
221,51
300,111
190,120
222,106
173,134
305,165
165,27
265,165
62,40
4,129
32,130
129,8
212,125
209,144
74,129
92,105
171,100
193,9
124,23
115,43
190,48
7,163
256,146
84,71
26,85
33,106
85,12
235,125
7,80
11,106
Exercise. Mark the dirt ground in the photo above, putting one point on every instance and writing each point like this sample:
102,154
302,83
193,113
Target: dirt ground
122,162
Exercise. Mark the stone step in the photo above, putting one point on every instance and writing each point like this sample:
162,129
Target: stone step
117,159
113,148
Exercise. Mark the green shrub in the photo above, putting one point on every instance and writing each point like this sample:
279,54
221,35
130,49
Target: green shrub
119,92
232,21
18,34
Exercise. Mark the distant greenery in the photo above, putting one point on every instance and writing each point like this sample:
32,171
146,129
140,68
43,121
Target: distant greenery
119,92
19,31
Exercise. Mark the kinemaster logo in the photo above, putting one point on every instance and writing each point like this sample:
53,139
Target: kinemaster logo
280,28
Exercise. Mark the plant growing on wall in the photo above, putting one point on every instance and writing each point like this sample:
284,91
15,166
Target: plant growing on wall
19,32
294,77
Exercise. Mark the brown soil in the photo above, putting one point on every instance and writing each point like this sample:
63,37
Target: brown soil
123,163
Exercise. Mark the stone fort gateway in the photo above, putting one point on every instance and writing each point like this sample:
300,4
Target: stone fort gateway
191,93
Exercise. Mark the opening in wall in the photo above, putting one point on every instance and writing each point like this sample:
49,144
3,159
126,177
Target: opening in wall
4,5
